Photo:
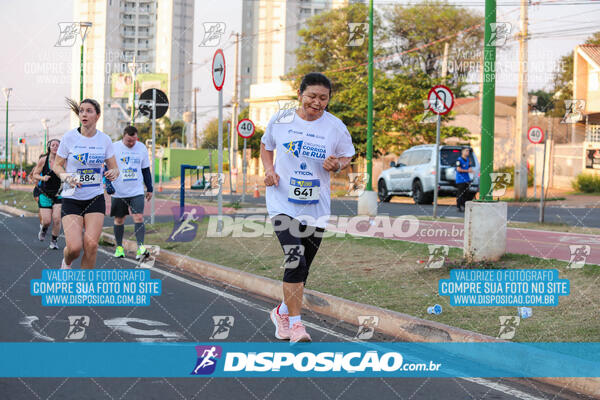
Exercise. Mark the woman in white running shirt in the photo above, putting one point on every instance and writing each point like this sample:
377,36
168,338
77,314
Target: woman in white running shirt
310,144
79,161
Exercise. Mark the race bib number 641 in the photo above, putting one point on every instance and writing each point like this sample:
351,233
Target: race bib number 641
303,191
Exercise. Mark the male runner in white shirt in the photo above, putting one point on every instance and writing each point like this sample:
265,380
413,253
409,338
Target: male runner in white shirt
134,166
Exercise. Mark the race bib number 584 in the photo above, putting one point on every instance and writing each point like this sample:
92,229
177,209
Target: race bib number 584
89,177
303,191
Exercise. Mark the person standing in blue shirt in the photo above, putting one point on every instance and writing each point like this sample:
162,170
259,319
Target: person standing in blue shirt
463,180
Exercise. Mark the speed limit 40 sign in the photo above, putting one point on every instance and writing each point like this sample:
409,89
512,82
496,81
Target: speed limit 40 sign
535,134
245,128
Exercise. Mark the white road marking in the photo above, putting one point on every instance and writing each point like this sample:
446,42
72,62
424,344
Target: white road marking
484,382
6,215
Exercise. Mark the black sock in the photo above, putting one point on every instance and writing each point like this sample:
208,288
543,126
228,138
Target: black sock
54,238
44,229
119,231
140,231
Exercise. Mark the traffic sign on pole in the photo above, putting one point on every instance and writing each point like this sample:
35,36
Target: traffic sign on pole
218,78
245,128
146,101
154,103
218,69
441,99
535,134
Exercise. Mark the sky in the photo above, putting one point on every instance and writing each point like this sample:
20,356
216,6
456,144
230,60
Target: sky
39,72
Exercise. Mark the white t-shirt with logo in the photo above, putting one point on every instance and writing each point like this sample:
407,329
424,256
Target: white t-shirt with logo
301,147
85,157
131,161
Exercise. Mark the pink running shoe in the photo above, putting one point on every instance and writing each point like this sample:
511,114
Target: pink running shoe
298,333
63,265
282,324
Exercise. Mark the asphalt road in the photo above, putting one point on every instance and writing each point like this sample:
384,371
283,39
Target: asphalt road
583,217
184,313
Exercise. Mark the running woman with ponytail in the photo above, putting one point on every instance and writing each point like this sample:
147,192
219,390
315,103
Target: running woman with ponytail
49,200
79,163
309,147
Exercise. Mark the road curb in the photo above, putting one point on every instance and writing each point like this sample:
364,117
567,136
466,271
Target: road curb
16,211
402,326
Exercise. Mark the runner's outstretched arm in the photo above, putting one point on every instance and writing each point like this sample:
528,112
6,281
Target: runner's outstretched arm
113,172
271,178
147,175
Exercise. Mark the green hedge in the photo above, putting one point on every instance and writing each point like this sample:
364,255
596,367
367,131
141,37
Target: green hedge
587,183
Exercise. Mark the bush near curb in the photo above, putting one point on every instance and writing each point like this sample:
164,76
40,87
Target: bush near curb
587,183
511,171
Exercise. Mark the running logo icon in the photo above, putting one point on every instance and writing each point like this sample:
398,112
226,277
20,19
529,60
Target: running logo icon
223,324
293,147
500,181
212,34
68,34
185,225
437,256
82,158
286,112
579,254
357,183
293,253
358,32
77,326
125,160
207,359
428,116
573,111
149,259
500,32
367,325
213,185
508,327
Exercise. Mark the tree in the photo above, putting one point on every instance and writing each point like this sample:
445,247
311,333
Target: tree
418,25
398,98
210,134
164,130
562,85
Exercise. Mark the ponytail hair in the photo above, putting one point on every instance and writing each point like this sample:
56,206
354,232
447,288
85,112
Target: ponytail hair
74,106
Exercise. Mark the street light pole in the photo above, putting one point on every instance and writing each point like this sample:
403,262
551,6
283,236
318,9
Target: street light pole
132,69
45,125
488,99
369,185
367,201
83,29
6,180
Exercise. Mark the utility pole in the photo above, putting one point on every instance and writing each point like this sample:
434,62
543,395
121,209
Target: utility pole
522,110
445,63
196,90
234,115
437,136
488,101
134,68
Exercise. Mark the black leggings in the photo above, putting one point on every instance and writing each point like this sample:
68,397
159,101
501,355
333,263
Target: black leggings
300,244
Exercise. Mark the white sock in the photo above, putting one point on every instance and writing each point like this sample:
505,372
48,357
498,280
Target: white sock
283,309
294,319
